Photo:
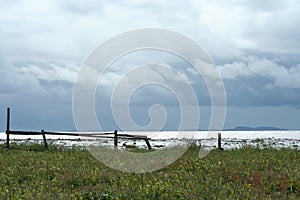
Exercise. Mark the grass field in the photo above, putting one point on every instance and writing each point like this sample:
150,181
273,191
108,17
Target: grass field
29,172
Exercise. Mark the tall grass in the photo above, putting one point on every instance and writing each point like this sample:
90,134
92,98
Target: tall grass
30,172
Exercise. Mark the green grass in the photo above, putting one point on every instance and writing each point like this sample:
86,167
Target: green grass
249,173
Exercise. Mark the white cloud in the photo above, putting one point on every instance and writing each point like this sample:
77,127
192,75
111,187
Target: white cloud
55,30
14,83
50,73
163,76
280,76
45,80
264,26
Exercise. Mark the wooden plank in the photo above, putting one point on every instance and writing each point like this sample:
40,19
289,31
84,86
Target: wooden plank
133,136
77,134
24,133
58,133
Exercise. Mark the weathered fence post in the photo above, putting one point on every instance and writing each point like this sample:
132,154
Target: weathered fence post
219,141
116,138
148,144
7,127
44,138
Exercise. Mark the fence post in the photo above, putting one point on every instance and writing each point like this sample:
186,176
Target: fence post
148,144
44,138
116,138
219,141
7,127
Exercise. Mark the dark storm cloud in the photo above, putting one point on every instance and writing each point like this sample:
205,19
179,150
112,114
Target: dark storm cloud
251,92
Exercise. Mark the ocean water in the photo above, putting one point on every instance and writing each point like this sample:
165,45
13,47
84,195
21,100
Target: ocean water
290,134
230,139
295,134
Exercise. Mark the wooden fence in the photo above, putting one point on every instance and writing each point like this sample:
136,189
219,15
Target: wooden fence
114,135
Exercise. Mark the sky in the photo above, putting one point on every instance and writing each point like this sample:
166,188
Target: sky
254,45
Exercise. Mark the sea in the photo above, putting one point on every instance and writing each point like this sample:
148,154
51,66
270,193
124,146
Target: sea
161,139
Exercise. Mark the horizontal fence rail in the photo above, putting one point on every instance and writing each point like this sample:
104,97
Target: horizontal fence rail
114,135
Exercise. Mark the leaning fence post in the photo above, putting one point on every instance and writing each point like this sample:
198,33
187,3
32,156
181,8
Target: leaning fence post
7,127
148,144
219,141
116,138
44,138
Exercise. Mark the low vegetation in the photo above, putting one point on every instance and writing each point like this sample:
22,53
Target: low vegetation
30,172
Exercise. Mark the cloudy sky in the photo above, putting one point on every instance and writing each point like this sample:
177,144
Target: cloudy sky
254,44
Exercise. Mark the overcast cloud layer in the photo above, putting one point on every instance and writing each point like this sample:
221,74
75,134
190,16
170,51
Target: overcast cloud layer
254,44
